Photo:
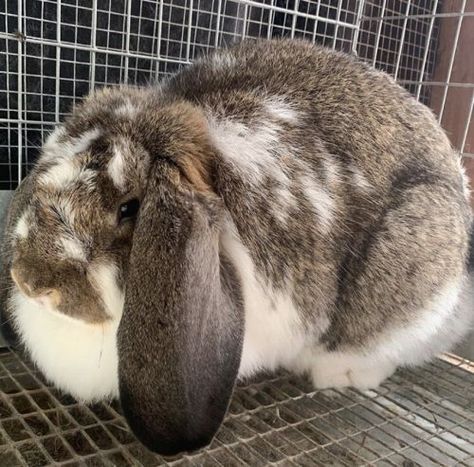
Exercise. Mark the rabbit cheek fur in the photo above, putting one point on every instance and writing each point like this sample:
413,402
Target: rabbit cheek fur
298,210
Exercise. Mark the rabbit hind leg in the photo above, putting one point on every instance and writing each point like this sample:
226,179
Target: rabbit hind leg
399,303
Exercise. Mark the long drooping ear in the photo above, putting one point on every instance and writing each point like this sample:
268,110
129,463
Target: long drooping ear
180,337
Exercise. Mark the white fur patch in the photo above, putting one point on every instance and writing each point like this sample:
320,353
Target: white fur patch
76,357
52,141
255,154
340,369
83,142
22,227
223,60
126,110
72,248
280,109
321,201
116,168
331,172
359,180
414,343
53,149
250,151
273,330
61,174
103,277
284,202
65,172
465,179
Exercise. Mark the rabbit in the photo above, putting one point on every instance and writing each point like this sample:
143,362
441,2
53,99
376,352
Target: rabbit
273,205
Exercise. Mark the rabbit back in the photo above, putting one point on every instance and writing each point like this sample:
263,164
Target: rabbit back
347,198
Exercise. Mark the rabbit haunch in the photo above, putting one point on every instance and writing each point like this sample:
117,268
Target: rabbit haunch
346,218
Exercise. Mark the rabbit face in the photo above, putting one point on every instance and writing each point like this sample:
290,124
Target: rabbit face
75,231
80,219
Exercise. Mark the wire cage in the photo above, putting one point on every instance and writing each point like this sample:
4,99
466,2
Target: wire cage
422,417
53,52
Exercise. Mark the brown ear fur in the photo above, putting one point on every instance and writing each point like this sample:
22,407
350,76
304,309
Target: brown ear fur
193,154
178,132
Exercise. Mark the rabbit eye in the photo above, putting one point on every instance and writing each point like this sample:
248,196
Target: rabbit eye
129,209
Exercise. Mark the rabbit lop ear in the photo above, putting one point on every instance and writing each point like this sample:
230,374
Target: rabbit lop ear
180,336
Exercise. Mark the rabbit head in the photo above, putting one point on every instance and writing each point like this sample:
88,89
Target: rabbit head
118,235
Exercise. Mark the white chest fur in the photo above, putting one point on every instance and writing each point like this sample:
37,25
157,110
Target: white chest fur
273,332
78,358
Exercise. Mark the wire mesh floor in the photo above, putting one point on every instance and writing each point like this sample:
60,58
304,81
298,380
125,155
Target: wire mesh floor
418,417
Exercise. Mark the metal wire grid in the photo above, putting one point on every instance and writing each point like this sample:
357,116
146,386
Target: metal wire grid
53,52
413,63
405,23
423,417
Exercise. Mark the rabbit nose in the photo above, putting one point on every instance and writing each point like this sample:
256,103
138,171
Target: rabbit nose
45,296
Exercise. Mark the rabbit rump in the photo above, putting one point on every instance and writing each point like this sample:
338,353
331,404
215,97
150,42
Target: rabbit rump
273,205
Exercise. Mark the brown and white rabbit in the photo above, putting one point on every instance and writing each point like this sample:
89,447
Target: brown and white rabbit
273,205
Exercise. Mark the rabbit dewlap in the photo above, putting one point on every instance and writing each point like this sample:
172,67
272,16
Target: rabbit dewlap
275,204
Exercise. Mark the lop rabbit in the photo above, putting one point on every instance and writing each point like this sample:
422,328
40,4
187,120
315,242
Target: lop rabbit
274,204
